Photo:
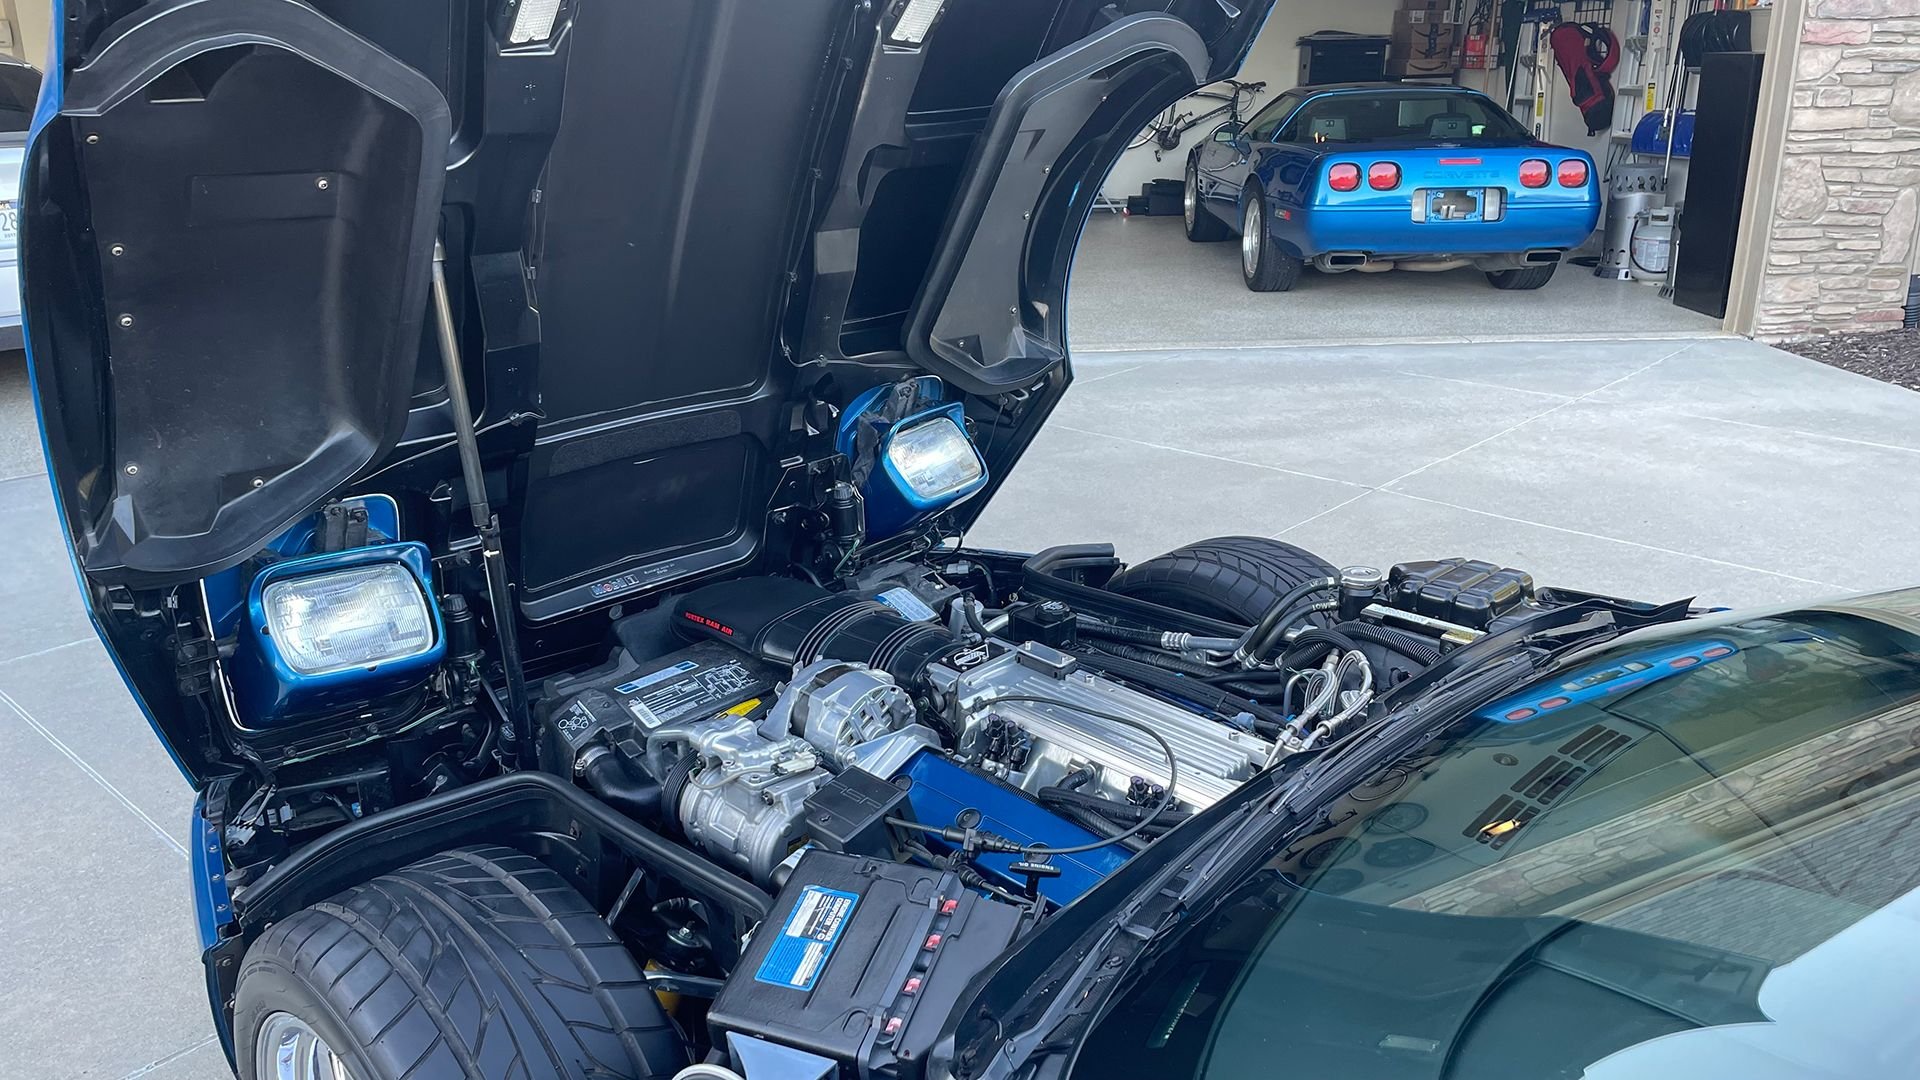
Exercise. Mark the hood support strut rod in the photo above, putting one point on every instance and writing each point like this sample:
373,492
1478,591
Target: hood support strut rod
485,522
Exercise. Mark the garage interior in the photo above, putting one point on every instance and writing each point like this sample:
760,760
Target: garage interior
1675,66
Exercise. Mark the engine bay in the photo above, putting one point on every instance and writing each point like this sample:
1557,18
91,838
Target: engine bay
1005,730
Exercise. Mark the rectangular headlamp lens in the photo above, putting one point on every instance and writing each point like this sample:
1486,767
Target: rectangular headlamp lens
348,618
935,458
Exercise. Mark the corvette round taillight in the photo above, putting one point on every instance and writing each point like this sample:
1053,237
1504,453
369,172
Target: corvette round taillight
1535,173
1343,177
1573,173
1383,176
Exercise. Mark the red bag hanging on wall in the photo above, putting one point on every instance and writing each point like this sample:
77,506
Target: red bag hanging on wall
1587,54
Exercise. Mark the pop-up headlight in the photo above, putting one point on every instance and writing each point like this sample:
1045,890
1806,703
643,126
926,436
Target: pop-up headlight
336,631
357,618
911,454
933,460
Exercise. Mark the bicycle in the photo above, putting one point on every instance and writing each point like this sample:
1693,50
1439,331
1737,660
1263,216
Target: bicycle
1164,131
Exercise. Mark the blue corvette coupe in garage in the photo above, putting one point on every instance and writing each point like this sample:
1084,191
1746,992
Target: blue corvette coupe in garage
1383,176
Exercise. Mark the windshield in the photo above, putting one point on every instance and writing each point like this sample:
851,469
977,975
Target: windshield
1695,854
1401,115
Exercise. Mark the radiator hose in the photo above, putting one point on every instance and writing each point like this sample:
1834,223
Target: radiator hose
1267,633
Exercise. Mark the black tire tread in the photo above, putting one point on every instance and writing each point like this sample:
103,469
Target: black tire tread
1522,278
1228,577
480,962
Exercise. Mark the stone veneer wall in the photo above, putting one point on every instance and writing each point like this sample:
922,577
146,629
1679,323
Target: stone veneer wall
1841,246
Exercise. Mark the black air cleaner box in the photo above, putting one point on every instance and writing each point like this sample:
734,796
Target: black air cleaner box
861,961
624,699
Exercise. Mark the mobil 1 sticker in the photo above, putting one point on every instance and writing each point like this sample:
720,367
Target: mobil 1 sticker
808,938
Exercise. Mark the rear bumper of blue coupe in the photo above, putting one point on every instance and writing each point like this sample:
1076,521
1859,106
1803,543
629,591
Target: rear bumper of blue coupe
1391,233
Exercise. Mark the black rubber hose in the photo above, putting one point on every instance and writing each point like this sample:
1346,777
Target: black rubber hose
1124,813
1267,632
1410,645
1096,628
1213,697
1100,826
972,618
1161,659
1312,646
638,797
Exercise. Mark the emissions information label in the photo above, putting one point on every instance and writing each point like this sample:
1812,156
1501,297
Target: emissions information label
670,693
907,604
808,938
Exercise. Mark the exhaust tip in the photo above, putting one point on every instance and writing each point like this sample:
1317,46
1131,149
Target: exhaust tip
1541,257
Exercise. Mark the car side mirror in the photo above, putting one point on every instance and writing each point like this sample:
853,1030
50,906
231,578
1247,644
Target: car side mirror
1227,132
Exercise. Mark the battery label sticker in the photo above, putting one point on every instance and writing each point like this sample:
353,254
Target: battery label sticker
907,604
808,938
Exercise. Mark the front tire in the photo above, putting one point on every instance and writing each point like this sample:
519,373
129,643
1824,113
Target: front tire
1526,277
1202,226
480,963
1235,578
1263,265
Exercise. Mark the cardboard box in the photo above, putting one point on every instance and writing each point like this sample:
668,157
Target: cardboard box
1420,39
1405,68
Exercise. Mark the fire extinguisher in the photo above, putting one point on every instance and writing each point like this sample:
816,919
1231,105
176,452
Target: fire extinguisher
1473,54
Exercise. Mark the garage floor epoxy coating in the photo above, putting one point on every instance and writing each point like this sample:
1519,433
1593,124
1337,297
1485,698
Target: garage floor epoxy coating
1138,280
1654,469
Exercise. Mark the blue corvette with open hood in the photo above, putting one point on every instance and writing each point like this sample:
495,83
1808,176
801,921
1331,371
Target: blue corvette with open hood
1376,177
536,533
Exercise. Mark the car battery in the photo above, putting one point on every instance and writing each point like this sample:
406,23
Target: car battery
860,963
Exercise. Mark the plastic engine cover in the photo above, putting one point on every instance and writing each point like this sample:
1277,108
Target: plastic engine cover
941,789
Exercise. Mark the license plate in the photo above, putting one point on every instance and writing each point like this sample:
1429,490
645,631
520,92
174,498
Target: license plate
9,221
1456,205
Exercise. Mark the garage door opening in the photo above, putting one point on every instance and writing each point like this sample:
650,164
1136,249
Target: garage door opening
1460,170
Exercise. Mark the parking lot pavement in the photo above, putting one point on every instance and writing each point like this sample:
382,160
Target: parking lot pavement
1656,469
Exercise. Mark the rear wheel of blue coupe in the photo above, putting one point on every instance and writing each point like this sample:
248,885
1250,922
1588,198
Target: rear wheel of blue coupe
1526,277
1263,265
1202,226
479,963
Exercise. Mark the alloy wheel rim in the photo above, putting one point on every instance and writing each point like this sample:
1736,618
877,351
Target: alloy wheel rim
1250,239
1188,199
289,1049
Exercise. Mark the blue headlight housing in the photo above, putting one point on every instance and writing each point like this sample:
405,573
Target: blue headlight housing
326,634
909,467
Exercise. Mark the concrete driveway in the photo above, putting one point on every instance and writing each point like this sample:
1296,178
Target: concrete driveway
1657,469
